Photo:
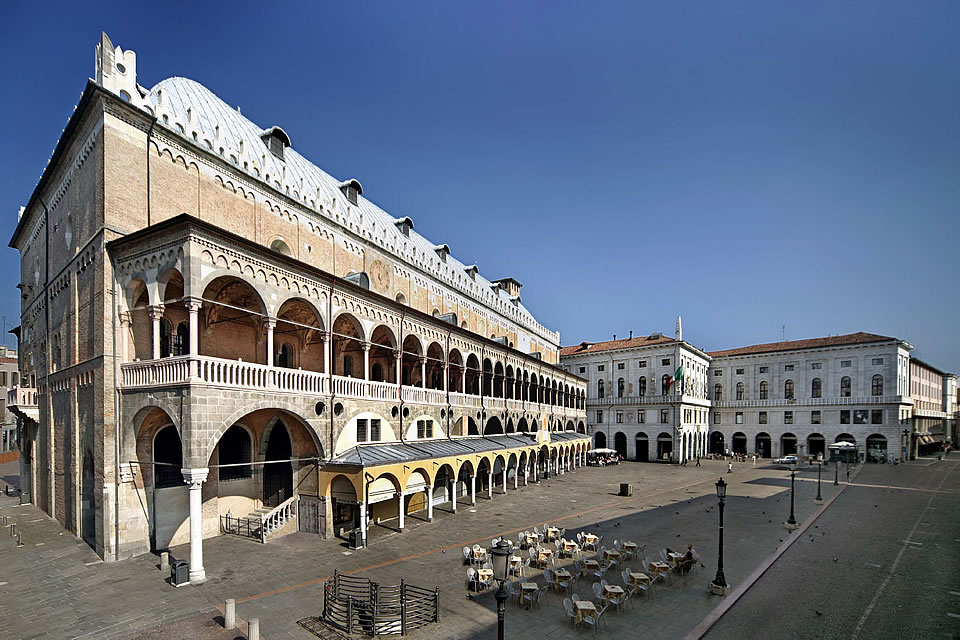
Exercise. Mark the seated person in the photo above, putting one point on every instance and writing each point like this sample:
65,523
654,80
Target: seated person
686,563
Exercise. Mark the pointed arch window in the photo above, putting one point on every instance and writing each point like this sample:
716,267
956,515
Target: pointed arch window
665,384
599,388
620,387
717,392
740,388
816,388
181,340
642,386
876,385
788,389
764,390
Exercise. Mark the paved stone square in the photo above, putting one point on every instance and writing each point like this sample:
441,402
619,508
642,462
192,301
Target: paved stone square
52,591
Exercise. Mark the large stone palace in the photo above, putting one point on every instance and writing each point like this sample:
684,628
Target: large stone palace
216,335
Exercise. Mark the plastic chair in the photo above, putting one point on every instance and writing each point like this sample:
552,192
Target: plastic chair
598,591
467,555
594,621
571,614
574,596
598,573
472,579
565,584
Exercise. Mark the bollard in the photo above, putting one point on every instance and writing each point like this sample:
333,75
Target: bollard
164,561
253,629
229,613
19,539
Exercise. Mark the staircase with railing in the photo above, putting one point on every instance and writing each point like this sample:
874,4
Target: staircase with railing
262,523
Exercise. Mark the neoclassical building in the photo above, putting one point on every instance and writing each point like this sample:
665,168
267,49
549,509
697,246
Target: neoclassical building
636,403
216,335
775,399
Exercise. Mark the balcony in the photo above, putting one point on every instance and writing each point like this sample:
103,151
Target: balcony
23,402
641,400
236,374
807,402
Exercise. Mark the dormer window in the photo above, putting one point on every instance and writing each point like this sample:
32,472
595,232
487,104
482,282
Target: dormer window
472,271
276,140
443,251
405,224
351,189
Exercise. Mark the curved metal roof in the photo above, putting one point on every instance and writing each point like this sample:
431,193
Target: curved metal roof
190,110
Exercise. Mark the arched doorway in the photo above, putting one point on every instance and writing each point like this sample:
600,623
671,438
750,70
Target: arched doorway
664,446
788,444
816,445
643,447
717,446
278,472
876,448
600,440
763,445
620,444
739,443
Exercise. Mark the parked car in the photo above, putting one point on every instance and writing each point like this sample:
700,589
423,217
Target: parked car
788,460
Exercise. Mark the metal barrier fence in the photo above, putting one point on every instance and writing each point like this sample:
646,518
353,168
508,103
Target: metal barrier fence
359,605
247,527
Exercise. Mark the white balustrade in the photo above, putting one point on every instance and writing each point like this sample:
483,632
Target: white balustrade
22,397
221,372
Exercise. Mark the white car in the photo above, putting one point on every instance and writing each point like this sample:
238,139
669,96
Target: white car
787,460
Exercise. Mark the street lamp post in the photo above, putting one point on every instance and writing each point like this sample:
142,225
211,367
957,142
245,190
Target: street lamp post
719,584
501,556
792,521
836,472
819,469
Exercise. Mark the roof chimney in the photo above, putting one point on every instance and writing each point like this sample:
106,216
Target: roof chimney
631,334
614,336
679,329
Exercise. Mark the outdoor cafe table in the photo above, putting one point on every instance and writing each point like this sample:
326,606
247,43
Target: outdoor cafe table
569,546
675,557
527,587
611,553
637,577
584,608
515,563
660,567
480,555
591,564
590,538
612,590
629,546
532,539
552,533
562,573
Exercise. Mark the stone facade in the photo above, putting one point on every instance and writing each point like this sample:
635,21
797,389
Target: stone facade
211,325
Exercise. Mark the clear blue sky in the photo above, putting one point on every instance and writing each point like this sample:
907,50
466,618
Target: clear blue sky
748,165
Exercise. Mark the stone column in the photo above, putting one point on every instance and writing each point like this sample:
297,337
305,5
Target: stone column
398,365
326,345
269,324
516,478
193,309
473,490
366,359
463,379
446,377
362,506
423,373
156,312
526,472
429,492
490,484
453,496
195,478
401,507
125,337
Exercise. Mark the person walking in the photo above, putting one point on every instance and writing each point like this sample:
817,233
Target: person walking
729,467
698,461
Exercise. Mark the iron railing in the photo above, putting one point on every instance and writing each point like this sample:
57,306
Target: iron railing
359,605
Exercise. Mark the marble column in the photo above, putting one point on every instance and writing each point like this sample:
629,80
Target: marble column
195,478
156,312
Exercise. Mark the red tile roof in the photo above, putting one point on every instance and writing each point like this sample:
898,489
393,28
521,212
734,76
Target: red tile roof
610,345
813,343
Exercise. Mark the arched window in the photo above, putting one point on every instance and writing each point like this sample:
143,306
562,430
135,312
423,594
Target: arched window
788,389
348,367
876,385
764,390
599,388
620,387
376,372
739,391
664,384
280,247
845,387
816,388
181,341
165,331
717,392
235,448
642,386
285,356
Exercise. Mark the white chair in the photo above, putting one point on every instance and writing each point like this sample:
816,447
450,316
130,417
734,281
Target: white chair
467,555
565,583
574,596
472,578
598,591
568,607
598,573
594,621
512,589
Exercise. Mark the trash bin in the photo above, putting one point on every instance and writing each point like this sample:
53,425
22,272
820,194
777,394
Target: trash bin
355,539
626,489
179,573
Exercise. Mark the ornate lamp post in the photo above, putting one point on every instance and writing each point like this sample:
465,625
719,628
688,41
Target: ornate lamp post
819,469
836,472
719,584
501,557
792,521
906,445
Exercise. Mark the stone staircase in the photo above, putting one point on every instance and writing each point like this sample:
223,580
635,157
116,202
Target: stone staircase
265,523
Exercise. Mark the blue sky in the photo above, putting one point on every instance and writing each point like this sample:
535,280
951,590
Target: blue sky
758,167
